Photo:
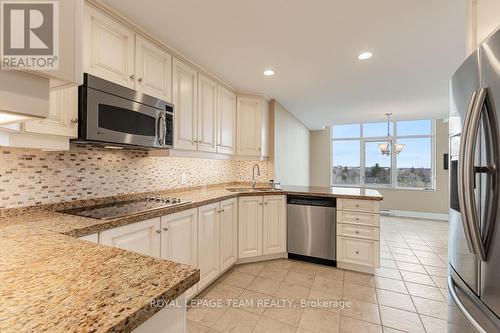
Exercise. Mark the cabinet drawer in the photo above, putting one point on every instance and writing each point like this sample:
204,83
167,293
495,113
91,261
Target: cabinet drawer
358,231
358,205
357,251
358,218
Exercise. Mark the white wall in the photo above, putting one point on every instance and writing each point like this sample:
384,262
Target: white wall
290,151
435,201
320,158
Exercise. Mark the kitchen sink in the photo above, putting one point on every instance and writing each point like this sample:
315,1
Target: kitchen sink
251,189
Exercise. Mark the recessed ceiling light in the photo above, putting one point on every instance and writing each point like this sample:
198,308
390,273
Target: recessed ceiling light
269,72
365,55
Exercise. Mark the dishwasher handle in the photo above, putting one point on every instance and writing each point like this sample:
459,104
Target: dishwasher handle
312,201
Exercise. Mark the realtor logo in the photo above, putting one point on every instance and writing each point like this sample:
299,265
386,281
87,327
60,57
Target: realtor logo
30,35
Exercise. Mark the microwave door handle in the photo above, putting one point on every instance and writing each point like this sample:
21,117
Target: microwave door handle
461,170
161,129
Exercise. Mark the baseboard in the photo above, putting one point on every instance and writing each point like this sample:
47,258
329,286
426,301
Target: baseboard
261,258
418,215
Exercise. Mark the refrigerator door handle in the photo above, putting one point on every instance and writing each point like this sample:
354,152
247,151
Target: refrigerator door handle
465,137
470,174
470,171
461,306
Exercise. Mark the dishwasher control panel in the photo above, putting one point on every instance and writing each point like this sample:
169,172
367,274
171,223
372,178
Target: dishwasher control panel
312,201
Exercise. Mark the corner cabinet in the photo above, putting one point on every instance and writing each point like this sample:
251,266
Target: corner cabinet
358,234
142,237
252,126
63,114
262,225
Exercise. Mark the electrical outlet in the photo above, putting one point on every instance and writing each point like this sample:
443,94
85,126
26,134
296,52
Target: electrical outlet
184,179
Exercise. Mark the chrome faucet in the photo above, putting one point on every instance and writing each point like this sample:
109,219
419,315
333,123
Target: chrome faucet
254,182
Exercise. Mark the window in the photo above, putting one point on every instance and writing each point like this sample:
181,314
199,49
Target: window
357,160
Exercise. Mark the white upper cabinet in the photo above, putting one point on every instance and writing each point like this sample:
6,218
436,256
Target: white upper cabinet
108,48
250,226
252,126
63,114
249,120
484,18
208,243
142,237
274,224
228,233
226,129
153,70
185,98
207,114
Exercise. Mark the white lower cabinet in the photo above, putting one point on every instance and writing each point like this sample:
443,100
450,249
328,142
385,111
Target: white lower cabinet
262,225
358,234
228,233
250,227
142,237
94,238
179,240
208,243
274,224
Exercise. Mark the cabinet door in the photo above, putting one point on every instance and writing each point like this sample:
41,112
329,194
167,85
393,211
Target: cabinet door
228,233
63,114
265,129
141,237
226,119
208,243
250,226
185,95
207,114
179,240
249,126
108,48
153,70
274,224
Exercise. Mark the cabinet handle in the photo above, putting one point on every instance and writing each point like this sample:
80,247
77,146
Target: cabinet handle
165,228
357,205
139,80
357,252
357,232
158,231
260,203
222,210
132,77
357,218
74,120
266,203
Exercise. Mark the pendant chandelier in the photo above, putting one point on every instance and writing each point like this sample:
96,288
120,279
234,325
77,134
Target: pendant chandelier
385,148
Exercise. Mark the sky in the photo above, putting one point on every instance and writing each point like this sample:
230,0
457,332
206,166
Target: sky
416,153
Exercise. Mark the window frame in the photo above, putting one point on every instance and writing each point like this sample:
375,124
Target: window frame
394,138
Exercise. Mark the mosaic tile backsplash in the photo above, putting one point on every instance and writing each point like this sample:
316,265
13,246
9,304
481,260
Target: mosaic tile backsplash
30,177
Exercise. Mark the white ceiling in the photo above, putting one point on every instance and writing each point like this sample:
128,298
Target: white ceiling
313,46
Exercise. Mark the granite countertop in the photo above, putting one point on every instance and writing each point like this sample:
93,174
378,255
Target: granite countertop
52,281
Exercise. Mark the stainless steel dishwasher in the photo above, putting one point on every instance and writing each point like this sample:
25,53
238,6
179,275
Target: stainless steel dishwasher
311,229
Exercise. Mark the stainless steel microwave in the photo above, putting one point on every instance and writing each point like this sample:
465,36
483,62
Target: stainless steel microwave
110,114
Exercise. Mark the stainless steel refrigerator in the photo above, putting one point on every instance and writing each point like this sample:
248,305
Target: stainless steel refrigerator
474,217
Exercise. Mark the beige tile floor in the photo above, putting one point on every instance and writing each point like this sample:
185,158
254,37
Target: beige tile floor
407,293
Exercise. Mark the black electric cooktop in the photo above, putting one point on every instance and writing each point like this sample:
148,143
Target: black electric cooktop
125,208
